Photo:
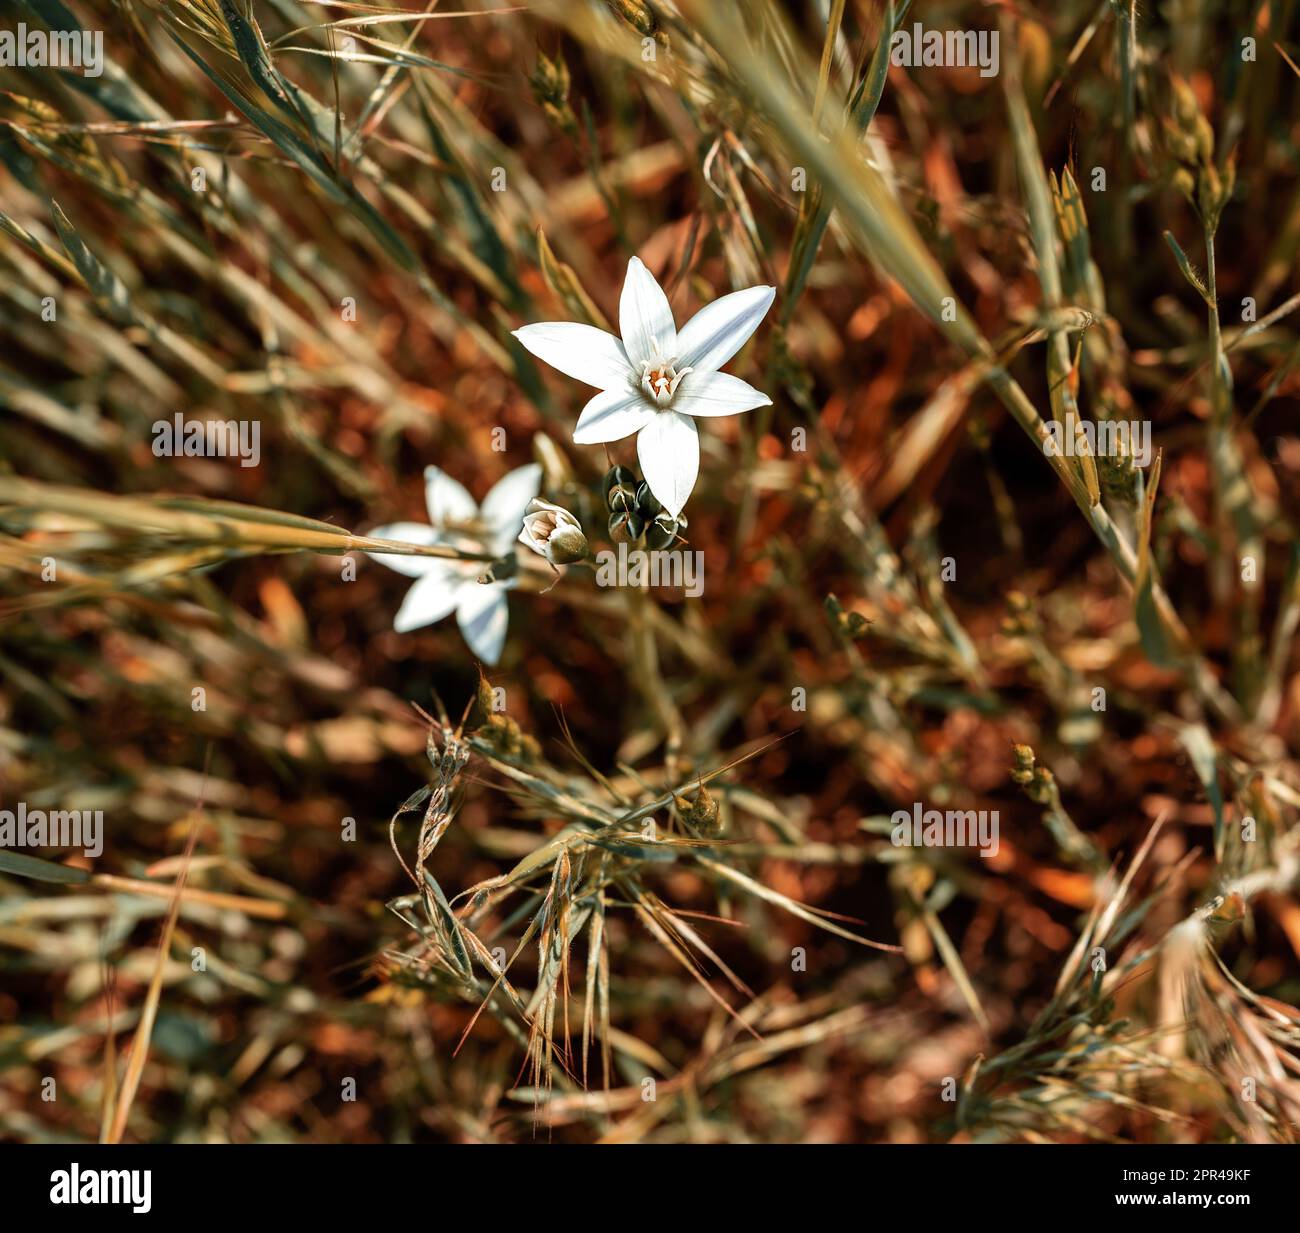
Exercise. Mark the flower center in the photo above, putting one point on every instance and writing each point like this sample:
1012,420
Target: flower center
660,379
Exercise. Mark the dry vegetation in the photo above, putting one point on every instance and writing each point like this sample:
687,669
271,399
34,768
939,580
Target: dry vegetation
668,858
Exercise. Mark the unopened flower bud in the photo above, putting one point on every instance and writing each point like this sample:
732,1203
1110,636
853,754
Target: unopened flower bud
662,533
553,532
619,488
625,527
646,501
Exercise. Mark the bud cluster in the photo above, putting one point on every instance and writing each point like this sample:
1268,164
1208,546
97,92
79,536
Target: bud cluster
635,516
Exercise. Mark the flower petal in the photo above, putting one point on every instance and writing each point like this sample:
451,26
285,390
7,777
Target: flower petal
644,317
581,352
503,507
430,599
611,416
711,337
530,539
483,616
446,499
717,393
407,533
669,450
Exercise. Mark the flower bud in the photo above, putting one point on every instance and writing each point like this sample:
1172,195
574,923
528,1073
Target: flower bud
553,532
625,527
619,488
646,501
662,533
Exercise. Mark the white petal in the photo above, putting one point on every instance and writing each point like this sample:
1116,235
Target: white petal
430,599
581,352
446,499
611,416
711,337
717,393
483,617
644,318
669,450
529,540
503,507
407,533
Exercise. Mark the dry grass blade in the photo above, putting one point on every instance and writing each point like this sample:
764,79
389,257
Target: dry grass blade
138,1054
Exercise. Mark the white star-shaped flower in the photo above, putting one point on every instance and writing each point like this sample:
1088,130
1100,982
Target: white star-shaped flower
445,586
655,379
